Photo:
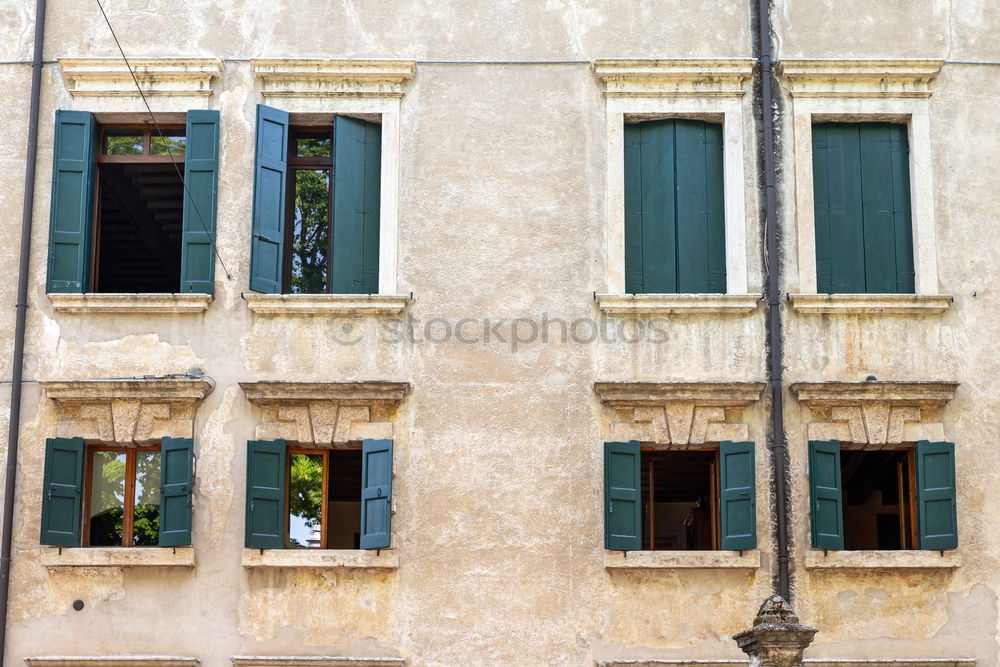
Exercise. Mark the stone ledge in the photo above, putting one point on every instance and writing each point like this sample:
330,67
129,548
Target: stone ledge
919,393
871,304
125,304
666,560
326,304
112,661
859,78
693,304
67,557
276,392
882,560
157,76
182,389
309,77
680,77
638,393
809,662
314,661
346,558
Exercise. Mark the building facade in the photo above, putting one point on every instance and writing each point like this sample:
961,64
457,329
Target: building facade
436,288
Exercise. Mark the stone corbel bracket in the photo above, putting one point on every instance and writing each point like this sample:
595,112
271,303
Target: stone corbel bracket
859,78
678,414
682,77
291,77
184,77
126,412
325,413
879,414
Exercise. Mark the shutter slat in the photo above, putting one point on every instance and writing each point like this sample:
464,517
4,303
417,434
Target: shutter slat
356,202
622,491
738,495
265,517
74,167
62,489
201,168
176,481
826,504
936,506
376,494
270,183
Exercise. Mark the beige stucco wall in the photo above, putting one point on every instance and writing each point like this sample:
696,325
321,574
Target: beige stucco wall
498,456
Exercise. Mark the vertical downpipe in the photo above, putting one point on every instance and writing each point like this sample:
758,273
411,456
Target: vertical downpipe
772,266
21,312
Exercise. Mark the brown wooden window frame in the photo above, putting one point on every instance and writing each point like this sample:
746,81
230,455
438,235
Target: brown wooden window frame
311,163
324,524
128,520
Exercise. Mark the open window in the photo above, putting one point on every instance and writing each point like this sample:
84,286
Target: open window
679,500
133,205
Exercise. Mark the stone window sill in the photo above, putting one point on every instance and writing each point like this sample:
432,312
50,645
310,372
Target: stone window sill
882,560
314,661
808,662
112,661
871,304
692,560
64,557
130,303
347,558
663,304
326,304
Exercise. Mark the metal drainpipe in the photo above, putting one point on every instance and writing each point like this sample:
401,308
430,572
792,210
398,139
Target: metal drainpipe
21,310
772,266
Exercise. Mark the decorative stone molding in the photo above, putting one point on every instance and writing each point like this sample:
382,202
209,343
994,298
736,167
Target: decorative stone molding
859,78
883,560
808,662
874,413
127,304
871,304
326,304
681,304
383,559
682,560
325,412
314,661
695,77
184,77
306,77
678,414
124,412
112,661
57,558
777,639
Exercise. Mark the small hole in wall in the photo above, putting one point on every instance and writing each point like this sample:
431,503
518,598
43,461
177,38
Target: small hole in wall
78,604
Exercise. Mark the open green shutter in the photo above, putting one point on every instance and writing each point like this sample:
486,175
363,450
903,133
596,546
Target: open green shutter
270,175
837,205
825,498
622,491
888,236
738,495
62,489
74,167
936,510
633,209
701,246
357,172
176,480
265,524
376,494
201,170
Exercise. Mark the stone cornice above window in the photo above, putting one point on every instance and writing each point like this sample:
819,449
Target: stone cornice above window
859,78
681,77
112,661
828,394
315,661
183,77
292,77
634,394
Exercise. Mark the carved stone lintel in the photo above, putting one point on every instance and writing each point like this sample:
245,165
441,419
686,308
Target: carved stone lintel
306,77
859,78
677,77
185,77
777,639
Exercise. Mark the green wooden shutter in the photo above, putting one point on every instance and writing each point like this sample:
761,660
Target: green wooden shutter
62,489
633,209
176,480
376,494
267,255
701,222
201,169
888,234
74,167
840,248
738,495
622,491
357,171
825,498
657,207
936,510
265,521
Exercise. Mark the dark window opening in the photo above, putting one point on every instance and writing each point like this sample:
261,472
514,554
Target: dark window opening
324,499
879,503
679,500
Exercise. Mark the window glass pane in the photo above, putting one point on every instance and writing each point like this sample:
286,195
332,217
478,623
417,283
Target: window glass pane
312,146
122,142
305,501
171,143
146,516
310,231
107,498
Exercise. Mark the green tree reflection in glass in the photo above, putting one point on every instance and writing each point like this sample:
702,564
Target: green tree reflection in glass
146,515
107,498
305,500
311,231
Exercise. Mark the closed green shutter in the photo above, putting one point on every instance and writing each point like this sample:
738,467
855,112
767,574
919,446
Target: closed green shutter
825,498
74,167
265,523
62,489
885,179
270,181
201,170
176,480
738,495
622,491
674,207
936,495
376,494
357,174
